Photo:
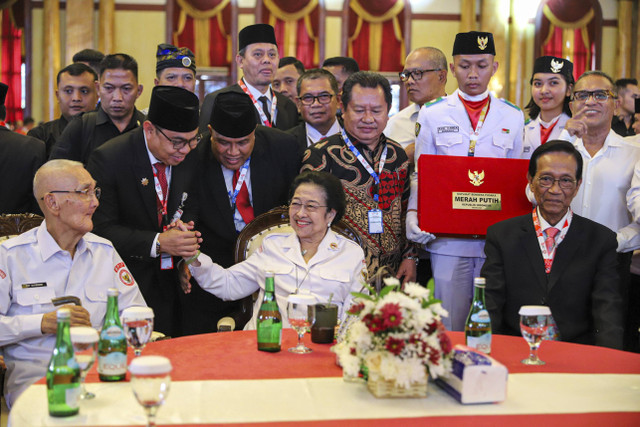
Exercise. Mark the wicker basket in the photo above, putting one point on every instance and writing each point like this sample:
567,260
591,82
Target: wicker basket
380,387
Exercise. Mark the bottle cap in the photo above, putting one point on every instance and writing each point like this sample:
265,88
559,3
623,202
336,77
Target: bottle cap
150,365
63,313
534,310
269,274
83,334
137,313
479,281
112,292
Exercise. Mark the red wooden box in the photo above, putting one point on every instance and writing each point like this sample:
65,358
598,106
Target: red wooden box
462,196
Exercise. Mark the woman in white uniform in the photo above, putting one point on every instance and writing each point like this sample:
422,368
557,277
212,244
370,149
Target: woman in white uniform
313,260
551,84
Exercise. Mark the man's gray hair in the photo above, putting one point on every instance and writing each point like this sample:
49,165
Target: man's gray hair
50,168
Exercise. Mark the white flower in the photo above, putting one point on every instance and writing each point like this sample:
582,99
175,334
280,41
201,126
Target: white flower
410,371
415,290
391,281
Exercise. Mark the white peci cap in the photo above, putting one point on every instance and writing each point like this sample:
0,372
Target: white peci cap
83,334
534,310
150,365
137,313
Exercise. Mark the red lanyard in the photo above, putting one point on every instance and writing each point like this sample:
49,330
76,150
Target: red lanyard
548,257
263,116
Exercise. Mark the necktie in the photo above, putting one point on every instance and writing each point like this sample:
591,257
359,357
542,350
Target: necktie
242,201
474,108
550,241
162,180
265,107
545,132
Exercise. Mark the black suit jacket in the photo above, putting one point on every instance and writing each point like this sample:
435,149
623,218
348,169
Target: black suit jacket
20,158
582,290
127,216
274,164
300,133
286,110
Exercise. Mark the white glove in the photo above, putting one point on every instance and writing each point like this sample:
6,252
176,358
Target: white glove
413,230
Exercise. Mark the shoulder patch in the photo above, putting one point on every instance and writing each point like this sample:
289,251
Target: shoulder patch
435,101
417,129
527,121
510,104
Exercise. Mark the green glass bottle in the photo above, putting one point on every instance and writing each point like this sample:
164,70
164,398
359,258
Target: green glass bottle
269,322
112,347
63,373
477,330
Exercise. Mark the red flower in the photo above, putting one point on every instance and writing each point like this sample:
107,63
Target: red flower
431,327
391,315
394,345
445,342
373,323
356,308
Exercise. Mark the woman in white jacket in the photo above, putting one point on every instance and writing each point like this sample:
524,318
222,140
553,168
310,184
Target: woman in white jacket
311,260
551,84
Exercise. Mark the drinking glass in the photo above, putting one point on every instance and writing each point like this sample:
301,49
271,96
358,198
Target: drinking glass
85,347
150,381
138,326
534,324
300,318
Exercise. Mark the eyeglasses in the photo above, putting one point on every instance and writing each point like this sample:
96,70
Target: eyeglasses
323,98
179,143
565,183
598,95
86,192
309,207
416,74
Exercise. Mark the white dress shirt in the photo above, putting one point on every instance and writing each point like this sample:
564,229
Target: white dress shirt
336,269
33,271
532,133
313,135
606,186
270,98
402,125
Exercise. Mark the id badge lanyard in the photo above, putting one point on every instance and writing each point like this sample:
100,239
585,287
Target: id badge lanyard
233,195
473,138
374,215
263,116
166,260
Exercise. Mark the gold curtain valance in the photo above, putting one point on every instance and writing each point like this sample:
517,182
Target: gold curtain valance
286,16
582,22
362,13
202,14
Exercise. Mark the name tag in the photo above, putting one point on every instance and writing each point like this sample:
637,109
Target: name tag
375,221
448,129
34,285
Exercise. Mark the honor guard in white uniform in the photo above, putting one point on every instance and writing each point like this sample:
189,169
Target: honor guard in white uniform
551,84
469,122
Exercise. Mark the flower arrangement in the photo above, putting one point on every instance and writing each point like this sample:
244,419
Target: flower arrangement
398,332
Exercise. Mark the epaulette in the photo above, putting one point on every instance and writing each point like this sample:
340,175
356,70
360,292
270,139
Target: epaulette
435,101
510,104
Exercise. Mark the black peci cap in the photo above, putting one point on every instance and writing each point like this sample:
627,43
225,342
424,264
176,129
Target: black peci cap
258,33
174,109
474,43
555,65
233,115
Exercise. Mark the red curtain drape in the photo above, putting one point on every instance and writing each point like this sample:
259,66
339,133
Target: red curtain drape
204,26
296,23
376,34
570,32
11,65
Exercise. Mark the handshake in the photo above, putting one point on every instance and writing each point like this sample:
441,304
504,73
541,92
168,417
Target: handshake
413,230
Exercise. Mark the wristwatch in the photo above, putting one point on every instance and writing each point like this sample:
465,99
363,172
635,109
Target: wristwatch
158,247
414,258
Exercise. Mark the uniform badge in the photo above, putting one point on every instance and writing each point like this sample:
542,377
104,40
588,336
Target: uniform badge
476,178
125,277
556,66
417,128
2,274
333,246
482,42
186,61
144,182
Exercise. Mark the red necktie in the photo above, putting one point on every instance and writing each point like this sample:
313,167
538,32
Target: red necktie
162,180
550,241
242,200
474,108
545,132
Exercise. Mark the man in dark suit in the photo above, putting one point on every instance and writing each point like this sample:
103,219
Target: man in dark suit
555,258
318,105
145,175
258,59
244,171
76,94
20,158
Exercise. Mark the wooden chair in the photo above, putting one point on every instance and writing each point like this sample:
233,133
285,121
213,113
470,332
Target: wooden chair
13,224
